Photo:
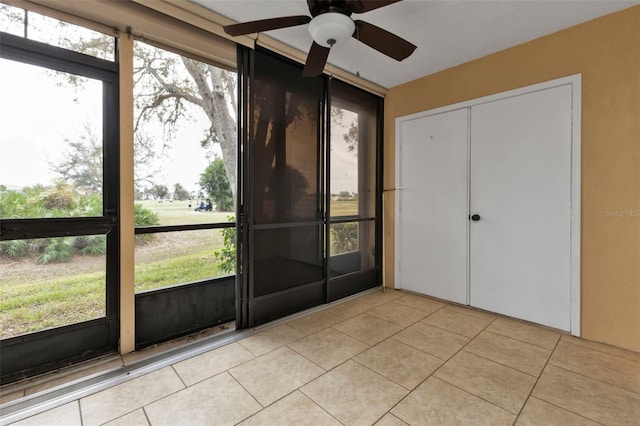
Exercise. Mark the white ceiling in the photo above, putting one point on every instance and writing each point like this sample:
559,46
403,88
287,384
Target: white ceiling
447,32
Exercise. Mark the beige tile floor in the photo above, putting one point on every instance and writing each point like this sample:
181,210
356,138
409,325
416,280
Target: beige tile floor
383,358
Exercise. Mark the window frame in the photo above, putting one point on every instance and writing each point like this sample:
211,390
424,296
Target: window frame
31,353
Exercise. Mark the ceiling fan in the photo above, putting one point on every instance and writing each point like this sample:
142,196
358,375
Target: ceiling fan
331,24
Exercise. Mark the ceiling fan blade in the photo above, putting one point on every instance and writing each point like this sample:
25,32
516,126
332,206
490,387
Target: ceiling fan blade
316,59
361,6
266,25
383,41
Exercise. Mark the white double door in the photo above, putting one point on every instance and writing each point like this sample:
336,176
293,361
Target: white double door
508,162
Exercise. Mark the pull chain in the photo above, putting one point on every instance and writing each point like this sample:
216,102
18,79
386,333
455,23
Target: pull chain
358,52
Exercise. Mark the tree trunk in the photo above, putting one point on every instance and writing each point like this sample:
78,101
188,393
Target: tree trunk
215,98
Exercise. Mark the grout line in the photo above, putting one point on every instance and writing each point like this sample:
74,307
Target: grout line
437,369
146,415
245,389
501,364
598,350
466,310
178,374
452,332
80,412
318,404
563,409
508,366
594,379
477,396
537,379
310,360
220,372
522,341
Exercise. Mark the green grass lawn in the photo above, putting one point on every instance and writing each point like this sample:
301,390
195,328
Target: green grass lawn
40,304
178,213
36,299
344,208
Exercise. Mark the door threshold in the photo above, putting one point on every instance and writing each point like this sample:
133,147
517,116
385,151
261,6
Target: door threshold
117,369
140,363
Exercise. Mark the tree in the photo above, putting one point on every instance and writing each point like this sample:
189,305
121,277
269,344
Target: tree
180,193
159,192
344,196
351,137
82,163
146,168
215,183
168,85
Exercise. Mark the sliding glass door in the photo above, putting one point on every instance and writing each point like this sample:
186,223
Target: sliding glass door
354,206
59,191
284,180
310,190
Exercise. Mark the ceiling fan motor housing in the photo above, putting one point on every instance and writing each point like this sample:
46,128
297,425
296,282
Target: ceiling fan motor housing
331,29
318,7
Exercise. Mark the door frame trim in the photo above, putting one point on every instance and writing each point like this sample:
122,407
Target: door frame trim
575,81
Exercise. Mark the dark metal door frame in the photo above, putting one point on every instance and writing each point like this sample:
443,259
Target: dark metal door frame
255,308
32,353
329,289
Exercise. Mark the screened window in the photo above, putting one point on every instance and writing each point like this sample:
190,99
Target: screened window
51,143
54,32
184,166
58,186
353,153
51,282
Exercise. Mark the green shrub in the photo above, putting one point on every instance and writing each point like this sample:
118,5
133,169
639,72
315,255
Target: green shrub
15,248
92,245
57,250
89,205
344,237
60,201
227,255
22,204
145,217
60,197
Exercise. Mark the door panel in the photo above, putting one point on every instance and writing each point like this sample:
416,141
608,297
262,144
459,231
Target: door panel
286,257
432,198
59,238
520,187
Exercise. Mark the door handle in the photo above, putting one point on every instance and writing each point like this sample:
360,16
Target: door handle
475,217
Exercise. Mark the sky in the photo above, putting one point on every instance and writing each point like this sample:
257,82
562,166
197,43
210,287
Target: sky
36,119
39,112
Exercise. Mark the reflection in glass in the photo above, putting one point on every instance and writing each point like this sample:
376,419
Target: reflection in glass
172,258
286,258
286,160
51,282
51,149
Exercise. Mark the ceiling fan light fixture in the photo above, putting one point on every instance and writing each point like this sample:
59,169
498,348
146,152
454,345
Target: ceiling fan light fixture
331,29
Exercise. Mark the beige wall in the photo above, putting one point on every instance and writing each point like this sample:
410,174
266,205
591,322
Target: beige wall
606,51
